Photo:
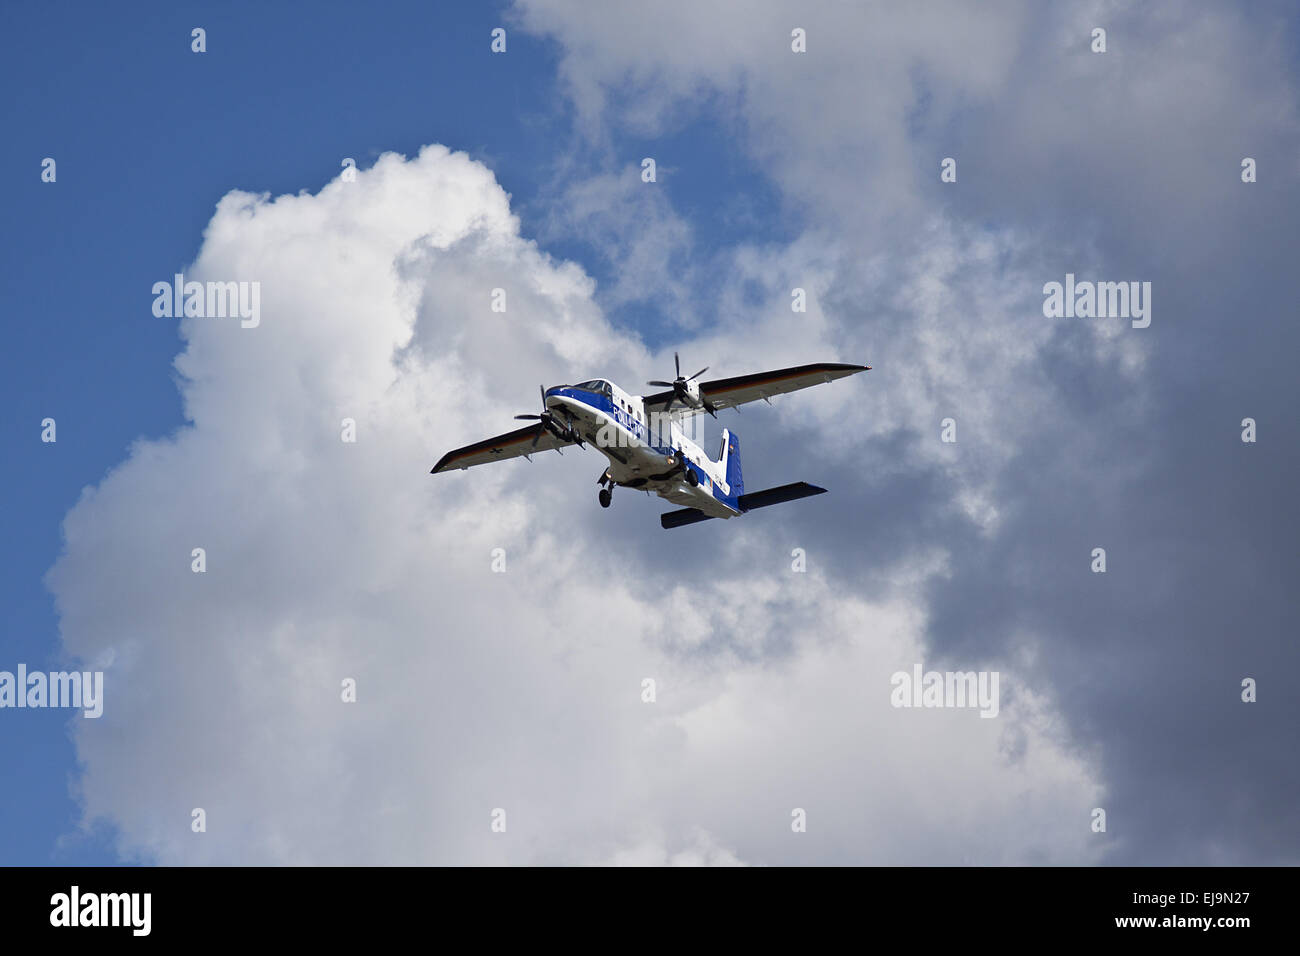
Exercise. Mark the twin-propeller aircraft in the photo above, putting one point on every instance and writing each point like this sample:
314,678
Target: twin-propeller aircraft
645,444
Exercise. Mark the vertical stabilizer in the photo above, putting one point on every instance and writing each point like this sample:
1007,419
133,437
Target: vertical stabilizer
731,463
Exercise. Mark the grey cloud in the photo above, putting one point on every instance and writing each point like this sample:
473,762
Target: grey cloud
1124,166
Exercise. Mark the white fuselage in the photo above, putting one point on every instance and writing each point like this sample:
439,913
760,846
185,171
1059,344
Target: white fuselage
654,456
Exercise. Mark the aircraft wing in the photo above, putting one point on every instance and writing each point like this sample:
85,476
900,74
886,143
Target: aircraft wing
510,445
730,392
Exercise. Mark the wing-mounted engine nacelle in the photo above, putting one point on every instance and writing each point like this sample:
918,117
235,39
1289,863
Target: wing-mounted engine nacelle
686,390
692,396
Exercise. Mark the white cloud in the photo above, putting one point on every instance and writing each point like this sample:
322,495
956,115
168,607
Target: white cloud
631,224
829,123
476,690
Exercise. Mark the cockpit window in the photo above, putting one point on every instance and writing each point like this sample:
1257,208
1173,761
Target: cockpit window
595,385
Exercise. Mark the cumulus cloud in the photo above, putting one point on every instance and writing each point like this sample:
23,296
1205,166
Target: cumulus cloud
478,690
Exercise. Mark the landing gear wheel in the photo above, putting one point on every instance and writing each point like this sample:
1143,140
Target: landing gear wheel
605,497
692,478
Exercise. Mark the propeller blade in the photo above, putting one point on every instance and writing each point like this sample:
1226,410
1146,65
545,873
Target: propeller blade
542,390
525,417
678,363
698,374
661,384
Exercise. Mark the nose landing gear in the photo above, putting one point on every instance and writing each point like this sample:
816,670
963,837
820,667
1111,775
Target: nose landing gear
605,497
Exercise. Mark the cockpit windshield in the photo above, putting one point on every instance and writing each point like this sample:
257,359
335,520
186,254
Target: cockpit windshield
598,385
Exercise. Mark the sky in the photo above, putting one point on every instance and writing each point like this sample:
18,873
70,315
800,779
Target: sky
522,689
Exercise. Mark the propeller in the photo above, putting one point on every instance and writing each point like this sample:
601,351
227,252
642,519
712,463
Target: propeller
563,430
678,385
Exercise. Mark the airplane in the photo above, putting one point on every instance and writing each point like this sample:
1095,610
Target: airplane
646,447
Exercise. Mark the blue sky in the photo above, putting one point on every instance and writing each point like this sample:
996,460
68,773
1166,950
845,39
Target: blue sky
820,172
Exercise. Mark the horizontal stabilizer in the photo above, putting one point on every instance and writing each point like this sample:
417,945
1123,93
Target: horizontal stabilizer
776,496
675,519
759,499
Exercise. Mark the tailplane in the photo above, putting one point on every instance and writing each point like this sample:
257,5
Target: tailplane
776,496
759,499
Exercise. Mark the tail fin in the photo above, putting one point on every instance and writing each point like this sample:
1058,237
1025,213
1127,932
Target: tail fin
731,462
